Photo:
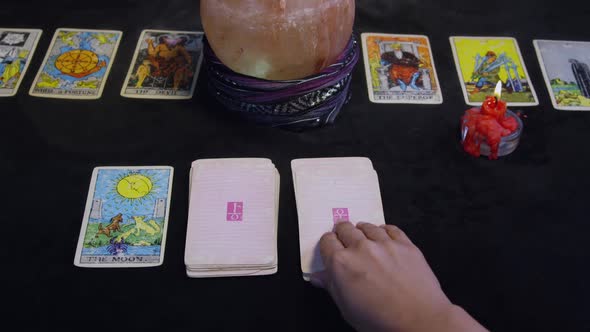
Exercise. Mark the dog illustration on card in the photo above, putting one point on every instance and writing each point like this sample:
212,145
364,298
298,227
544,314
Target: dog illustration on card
114,226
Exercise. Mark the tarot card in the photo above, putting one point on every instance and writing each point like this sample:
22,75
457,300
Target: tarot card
126,217
400,69
17,47
483,61
331,190
165,65
77,64
566,72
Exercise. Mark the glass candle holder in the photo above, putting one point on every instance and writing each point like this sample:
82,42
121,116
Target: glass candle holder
507,144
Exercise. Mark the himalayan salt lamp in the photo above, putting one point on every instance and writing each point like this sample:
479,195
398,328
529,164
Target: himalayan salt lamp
278,39
491,130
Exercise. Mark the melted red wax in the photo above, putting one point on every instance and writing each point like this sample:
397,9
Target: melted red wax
489,123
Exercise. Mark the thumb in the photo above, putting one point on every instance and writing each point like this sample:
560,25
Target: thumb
320,279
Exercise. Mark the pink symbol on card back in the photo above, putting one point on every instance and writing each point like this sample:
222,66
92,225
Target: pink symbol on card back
235,211
340,214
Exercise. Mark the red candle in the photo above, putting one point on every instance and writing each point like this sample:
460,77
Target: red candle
487,124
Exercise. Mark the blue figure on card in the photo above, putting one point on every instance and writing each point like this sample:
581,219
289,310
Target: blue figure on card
487,72
10,66
117,247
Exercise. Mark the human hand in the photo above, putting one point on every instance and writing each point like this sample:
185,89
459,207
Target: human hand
381,282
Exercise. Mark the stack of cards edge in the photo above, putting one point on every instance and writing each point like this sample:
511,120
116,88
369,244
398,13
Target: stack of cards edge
309,237
200,264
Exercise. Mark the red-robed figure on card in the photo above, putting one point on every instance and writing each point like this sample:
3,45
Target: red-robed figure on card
404,70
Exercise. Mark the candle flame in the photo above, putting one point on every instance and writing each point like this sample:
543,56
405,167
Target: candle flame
498,91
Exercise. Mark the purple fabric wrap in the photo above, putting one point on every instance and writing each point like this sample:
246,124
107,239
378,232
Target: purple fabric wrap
300,104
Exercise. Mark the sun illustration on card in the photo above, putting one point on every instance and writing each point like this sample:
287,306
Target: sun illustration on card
134,186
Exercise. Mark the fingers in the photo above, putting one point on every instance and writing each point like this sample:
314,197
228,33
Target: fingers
396,234
329,244
320,279
348,234
373,232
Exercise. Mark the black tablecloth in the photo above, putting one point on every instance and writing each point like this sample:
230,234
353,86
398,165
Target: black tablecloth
508,239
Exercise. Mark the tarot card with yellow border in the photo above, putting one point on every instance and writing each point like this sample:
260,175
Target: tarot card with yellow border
483,61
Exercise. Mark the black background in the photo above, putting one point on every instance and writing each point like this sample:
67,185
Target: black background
508,239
